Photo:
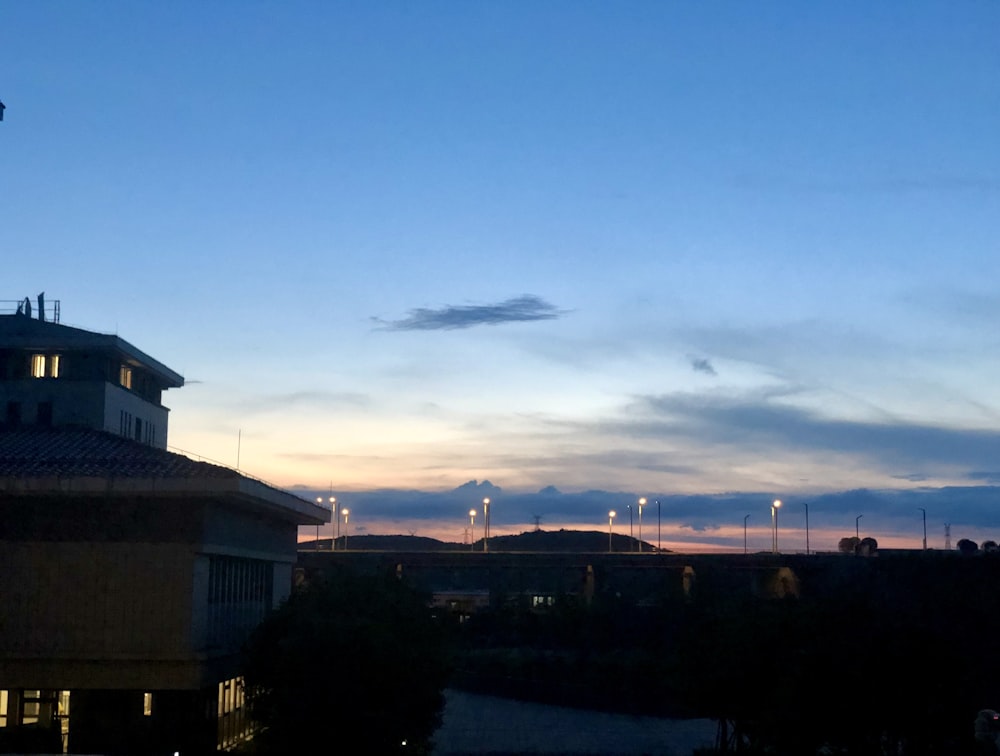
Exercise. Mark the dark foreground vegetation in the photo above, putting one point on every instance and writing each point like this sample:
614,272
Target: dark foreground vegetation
351,663
890,657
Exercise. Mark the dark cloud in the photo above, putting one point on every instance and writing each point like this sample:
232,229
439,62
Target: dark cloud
516,310
885,512
702,365
985,476
769,425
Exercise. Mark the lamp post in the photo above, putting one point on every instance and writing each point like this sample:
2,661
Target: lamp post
642,503
611,519
336,523
658,546
806,505
472,527
335,519
925,526
631,535
486,524
745,518
319,500
347,513
857,526
775,505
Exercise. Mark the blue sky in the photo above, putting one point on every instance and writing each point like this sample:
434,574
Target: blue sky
636,247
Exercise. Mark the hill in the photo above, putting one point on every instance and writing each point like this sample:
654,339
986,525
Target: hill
553,541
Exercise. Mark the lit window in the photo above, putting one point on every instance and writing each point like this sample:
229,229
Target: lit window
45,366
125,376
147,704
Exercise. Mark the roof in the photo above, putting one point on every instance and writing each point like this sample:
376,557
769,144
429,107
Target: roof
67,461
24,332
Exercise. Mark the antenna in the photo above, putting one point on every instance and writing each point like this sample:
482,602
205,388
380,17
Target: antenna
947,536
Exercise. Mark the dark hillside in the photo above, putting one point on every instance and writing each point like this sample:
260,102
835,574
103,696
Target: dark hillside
551,541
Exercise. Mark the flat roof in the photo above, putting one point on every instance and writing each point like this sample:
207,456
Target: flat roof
24,332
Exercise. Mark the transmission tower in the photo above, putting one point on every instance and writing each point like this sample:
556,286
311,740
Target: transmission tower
538,522
947,536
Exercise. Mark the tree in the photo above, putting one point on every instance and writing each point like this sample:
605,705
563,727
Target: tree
868,546
354,657
849,545
965,546
990,547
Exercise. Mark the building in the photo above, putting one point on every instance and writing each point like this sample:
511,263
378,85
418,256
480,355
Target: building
129,575
57,376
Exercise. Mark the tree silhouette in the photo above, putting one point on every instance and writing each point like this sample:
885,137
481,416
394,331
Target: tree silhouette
966,546
868,546
849,545
354,655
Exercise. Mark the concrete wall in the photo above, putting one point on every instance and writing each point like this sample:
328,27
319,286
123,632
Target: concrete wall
118,400
103,604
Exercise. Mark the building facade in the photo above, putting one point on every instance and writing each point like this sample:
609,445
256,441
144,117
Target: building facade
129,575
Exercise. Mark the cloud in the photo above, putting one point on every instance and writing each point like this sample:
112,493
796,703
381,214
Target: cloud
521,309
702,365
706,519
760,419
302,401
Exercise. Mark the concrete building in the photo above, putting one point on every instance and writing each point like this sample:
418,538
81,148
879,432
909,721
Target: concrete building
129,575
56,376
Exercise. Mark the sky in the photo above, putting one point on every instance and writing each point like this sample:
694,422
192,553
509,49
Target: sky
645,248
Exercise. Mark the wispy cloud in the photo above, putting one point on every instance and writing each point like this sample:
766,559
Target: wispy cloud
527,307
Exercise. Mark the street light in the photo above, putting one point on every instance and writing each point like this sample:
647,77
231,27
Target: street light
806,505
486,524
857,526
611,519
319,500
925,526
631,533
347,513
775,505
472,525
745,518
333,509
336,520
658,546
642,503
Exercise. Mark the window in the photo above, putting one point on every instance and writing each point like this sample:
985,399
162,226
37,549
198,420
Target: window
147,704
45,366
125,376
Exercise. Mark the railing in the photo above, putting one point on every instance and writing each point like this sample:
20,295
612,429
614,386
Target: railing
51,309
202,458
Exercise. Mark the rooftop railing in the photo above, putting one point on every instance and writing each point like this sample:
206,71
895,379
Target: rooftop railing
50,309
